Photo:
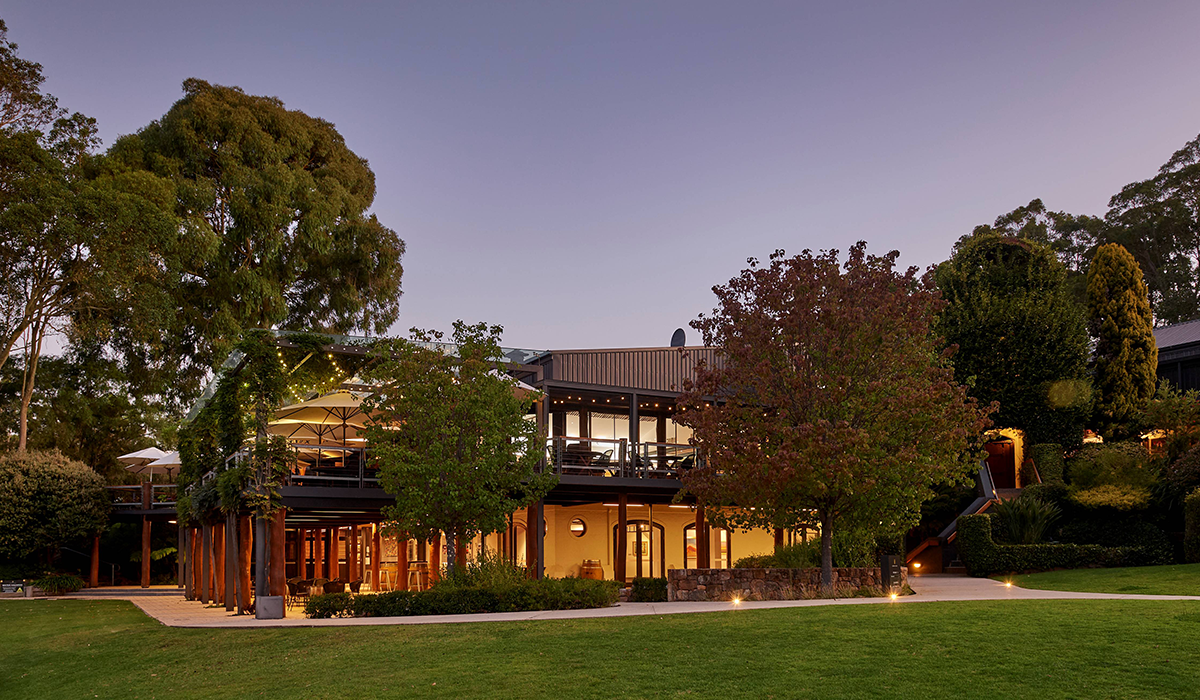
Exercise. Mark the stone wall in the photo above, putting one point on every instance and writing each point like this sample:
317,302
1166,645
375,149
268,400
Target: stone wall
768,584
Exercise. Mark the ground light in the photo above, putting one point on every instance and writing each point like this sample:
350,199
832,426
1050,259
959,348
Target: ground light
894,596
737,601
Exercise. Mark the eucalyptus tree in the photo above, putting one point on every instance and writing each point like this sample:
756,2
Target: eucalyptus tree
275,230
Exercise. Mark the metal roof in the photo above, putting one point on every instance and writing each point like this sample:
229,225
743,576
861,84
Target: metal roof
1178,334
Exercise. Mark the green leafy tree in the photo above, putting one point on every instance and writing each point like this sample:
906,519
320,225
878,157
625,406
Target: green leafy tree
84,409
275,230
1126,357
47,500
451,435
1158,221
834,400
1020,334
78,236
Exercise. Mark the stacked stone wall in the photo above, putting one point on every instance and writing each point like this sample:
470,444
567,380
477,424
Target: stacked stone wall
772,584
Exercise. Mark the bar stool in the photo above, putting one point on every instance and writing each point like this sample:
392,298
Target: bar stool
418,575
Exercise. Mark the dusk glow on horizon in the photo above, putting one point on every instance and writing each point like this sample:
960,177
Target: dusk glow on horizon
583,174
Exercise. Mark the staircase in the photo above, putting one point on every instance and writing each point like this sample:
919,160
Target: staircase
939,555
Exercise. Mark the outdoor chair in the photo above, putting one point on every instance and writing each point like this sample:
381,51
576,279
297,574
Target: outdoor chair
335,586
355,585
303,588
291,593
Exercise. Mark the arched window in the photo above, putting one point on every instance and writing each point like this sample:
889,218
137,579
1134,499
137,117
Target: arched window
645,550
720,548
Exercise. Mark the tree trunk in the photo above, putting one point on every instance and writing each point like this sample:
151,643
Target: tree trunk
451,551
826,550
33,351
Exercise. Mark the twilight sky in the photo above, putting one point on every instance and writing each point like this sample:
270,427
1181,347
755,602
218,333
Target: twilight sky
583,173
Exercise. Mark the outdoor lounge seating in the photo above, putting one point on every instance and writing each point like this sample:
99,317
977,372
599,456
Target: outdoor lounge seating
335,586
355,585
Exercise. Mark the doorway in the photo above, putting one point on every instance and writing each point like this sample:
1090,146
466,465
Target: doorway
645,550
1002,463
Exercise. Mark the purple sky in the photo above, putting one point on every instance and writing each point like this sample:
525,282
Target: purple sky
583,173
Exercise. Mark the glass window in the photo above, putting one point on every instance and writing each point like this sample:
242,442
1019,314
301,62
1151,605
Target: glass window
578,527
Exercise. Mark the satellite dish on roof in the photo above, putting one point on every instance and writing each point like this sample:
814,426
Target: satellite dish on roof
677,339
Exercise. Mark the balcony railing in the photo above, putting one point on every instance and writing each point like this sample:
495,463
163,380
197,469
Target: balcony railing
601,457
132,498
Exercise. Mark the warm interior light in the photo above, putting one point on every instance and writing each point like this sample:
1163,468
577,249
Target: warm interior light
916,565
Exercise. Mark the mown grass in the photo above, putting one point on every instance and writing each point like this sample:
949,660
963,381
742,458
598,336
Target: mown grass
1176,579
997,649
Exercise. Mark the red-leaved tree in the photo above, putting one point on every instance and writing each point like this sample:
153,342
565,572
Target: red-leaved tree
831,403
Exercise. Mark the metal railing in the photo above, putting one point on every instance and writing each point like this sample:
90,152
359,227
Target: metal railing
602,457
130,497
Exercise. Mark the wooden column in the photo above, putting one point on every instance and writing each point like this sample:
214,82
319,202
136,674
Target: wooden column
94,569
185,560
318,554
205,563
622,537
230,562
194,556
301,553
277,576
702,561
245,548
402,561
376,551
352,555
435,557
219,562
331,555
460,553
361,562
778,537
146,503
531,542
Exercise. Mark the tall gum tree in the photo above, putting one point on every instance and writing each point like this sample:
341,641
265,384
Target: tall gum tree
275,232
832,400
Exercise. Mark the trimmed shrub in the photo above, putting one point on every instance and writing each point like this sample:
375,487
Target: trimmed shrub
1026,520
1184,472
1126,463
459,599
1048,457
982,556
648,590
59,584
1055,492
853,547
1151,544
328,605
46,500
1191,527
1120,497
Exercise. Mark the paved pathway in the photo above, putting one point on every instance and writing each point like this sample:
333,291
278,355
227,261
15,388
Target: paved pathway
166,604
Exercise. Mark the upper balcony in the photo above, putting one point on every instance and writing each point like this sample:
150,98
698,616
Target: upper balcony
608,458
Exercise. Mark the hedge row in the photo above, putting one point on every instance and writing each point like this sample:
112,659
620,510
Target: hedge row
543,594
1191,527
1048,457
982,556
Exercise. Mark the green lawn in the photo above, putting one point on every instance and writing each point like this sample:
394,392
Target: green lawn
998,649
1177,579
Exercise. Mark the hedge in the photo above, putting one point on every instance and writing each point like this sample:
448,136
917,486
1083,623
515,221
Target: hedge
1191,526
1048,458
982,556
543,594
648,590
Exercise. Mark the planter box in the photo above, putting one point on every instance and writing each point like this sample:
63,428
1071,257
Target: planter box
268,607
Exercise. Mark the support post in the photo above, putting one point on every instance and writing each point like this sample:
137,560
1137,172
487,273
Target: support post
318,554
301,553
180,561
435,557
622,538
205,563
230,562
185,556
460,553
778,537
278,557
702,561
531,542
541,539
94,568
245,548
331,555
402,561
195,555
219,562
146,503
352,554
376,548
260,557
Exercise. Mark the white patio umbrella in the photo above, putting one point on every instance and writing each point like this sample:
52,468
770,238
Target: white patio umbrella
167,464
331,409
138,462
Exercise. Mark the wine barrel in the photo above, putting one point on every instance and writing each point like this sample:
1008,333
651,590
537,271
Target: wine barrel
591,569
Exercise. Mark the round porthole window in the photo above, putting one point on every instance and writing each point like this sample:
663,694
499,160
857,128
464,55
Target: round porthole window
578,527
